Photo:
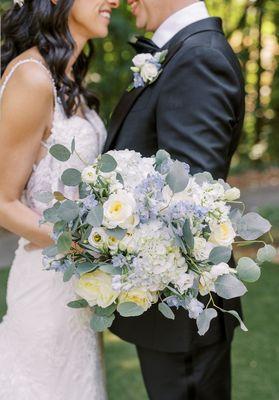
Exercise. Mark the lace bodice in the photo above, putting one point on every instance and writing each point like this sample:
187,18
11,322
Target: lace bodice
89,134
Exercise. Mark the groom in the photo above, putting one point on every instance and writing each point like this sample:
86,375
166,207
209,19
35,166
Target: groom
194,110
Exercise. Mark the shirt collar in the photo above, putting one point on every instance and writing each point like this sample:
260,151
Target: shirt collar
179,20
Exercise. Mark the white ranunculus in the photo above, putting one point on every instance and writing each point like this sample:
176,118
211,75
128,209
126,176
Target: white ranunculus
232,194
89,175
149,72
120,210
202,248
140,59
98,238
222,234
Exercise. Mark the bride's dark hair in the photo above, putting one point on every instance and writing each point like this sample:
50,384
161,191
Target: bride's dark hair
42,24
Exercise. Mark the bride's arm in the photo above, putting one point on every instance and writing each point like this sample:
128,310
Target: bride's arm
26,109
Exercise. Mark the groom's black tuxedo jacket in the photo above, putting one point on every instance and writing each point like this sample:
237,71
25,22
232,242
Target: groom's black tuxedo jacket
194,111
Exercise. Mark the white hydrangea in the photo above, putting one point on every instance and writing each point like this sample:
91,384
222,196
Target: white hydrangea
132,167
202,248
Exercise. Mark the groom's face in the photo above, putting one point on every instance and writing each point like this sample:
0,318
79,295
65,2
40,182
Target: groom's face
149,14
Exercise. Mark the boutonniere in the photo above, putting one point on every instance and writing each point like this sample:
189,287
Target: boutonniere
19,2
147,68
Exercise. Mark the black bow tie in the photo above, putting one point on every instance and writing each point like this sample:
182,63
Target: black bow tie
143,45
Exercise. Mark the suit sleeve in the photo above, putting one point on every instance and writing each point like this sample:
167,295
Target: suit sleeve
196,110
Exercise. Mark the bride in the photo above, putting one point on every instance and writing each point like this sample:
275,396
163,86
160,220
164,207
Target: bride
47,350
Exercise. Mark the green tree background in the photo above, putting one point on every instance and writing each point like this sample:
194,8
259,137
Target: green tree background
252,29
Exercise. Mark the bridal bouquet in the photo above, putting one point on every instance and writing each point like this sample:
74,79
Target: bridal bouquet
145,231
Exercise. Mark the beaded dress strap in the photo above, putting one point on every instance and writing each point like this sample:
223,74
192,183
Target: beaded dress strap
27,60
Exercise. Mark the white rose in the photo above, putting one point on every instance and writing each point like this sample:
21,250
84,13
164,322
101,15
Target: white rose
120,210
89,175
96,288
232,194
140,59
149,72
222,234
202,248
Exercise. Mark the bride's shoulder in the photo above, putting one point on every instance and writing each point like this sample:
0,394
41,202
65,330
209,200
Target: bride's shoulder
27,74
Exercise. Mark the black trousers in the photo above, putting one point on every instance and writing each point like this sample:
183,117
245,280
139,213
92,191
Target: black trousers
204,374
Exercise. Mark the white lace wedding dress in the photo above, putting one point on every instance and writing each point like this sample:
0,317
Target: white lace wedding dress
47,350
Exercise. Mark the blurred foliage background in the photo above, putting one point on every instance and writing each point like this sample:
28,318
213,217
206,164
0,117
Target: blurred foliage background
252,29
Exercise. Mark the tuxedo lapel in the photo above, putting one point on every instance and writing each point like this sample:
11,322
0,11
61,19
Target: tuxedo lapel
128,99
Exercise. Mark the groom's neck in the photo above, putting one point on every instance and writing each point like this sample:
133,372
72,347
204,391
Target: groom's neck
172,7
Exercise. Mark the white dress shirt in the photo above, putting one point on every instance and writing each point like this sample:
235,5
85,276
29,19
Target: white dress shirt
179,20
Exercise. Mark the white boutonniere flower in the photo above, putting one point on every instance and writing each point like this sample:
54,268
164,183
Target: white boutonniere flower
19,2
147,68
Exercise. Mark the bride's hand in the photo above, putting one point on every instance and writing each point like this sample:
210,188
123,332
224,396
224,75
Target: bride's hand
31,247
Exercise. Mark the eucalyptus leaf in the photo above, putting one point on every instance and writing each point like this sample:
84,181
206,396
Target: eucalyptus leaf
204,319
266,253
119,178
71,177
252,226
50,251
43,197
188,235
73,145
248,270
117,233
228,287
60,152
83,190
107,163
105,312
101,323
51,214
69,273
95,216
59,196
160,157
220,254
236,315
110,269
82,303
85,267
177,178
166,310
129,309
68,211
235,217
64,242
202,177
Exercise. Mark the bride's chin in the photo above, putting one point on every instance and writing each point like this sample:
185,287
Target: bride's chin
101,33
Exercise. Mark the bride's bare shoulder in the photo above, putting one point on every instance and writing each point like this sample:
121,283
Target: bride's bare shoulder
28,76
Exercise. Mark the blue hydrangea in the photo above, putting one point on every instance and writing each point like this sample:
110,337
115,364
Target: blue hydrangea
174,301
138,81
118,261
90,201
149,195
182,209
